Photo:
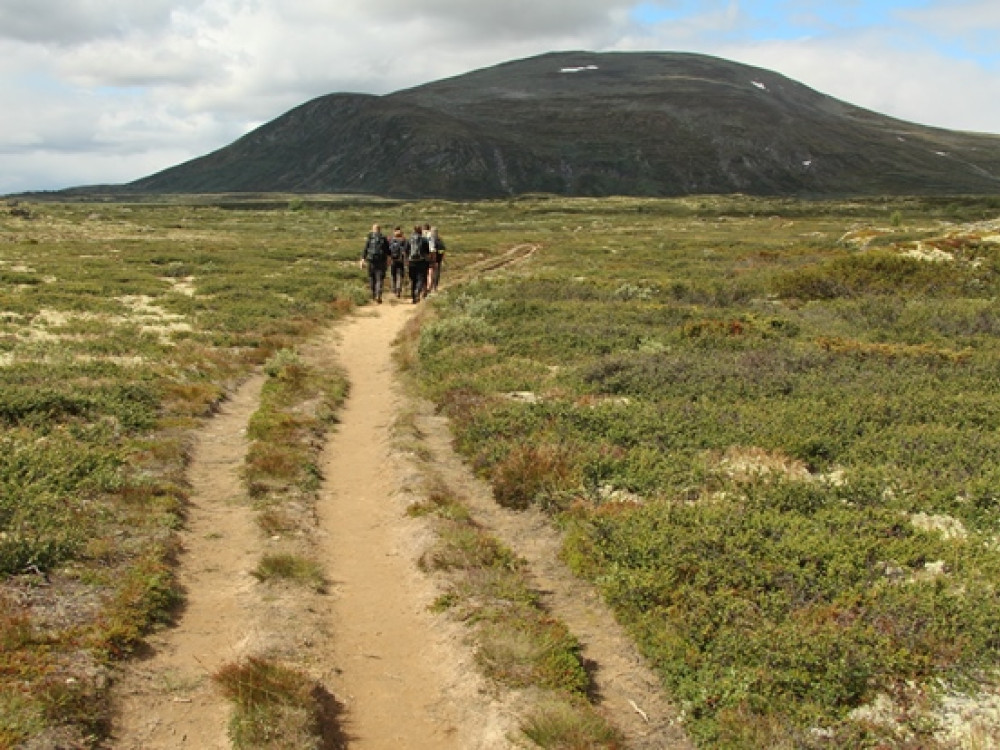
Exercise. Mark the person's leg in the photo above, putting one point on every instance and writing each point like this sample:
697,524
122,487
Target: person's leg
414,282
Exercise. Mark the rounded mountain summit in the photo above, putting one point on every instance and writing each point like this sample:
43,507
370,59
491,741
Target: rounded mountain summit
593,124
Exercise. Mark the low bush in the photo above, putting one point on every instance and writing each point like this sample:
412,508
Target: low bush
882,273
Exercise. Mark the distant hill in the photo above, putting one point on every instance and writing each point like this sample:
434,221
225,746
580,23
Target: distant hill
593,124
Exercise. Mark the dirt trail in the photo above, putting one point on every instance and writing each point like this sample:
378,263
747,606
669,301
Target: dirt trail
400,680
166,700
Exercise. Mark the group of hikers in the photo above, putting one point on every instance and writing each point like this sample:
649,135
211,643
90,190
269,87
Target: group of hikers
419,256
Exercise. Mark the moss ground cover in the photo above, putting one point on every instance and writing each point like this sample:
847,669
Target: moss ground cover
770,428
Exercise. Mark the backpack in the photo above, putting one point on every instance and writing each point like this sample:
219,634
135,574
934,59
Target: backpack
396,247
418,247
375,249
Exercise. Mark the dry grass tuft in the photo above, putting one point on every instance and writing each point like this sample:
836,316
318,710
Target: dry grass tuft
274,707
294,568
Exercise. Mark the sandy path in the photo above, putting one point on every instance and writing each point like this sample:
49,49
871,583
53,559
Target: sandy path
392,674
167,699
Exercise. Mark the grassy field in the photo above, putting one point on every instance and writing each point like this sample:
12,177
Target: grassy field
121,327
769,427
771,431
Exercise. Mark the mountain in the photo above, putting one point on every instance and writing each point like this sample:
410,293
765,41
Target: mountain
584,123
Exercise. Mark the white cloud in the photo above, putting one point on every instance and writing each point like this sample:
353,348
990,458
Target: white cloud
48,170
918,85
485,22
139,62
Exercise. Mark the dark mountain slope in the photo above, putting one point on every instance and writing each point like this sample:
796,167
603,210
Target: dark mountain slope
594,124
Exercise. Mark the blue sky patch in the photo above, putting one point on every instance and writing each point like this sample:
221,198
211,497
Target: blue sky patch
786,20
763,20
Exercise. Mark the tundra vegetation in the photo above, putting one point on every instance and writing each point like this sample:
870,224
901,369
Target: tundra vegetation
769,428
121,328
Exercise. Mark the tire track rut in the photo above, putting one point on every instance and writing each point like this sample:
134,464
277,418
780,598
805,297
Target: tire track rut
626,687
166,699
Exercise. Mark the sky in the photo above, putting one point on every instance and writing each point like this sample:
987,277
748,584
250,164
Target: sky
108,91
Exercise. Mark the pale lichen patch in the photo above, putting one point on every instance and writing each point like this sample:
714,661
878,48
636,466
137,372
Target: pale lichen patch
948,526
745,463
181,285
929,253
966,721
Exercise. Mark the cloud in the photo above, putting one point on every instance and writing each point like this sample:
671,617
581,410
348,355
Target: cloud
140,62
69,22
918,85
47,170
484,22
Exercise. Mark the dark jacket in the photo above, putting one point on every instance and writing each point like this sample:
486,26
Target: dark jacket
375,241
403,243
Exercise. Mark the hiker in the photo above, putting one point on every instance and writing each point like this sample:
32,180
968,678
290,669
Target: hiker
375,255
437,259
398,250
431,259
417,261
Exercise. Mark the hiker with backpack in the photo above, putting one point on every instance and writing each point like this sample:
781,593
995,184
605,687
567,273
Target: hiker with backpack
431,258
398,250
417,262
375,255
437,259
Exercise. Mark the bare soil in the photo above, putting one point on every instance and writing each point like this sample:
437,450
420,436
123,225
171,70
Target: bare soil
165,698
400,675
